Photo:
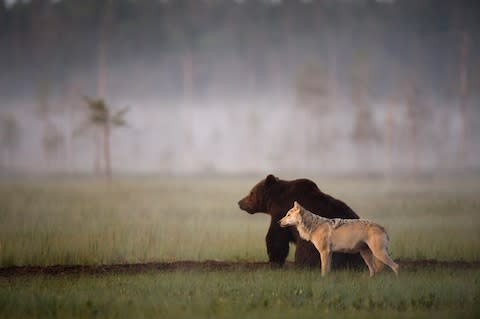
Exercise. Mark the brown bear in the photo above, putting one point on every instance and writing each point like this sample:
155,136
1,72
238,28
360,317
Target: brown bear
275,197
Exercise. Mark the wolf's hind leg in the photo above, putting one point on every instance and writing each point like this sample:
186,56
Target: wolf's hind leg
377,264
378,243
383,256
369,260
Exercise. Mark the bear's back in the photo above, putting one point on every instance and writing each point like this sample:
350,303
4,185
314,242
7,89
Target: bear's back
307,193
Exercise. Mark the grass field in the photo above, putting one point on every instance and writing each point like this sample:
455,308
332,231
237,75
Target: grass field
438,293
137,220
141,220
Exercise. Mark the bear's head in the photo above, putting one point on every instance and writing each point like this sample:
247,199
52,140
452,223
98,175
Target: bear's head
256,200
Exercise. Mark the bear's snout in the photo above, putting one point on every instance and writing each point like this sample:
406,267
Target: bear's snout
245,205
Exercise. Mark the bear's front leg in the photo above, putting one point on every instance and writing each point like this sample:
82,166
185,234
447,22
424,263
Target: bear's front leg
306,255
277,241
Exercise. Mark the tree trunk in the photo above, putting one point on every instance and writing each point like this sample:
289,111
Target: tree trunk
412,113
68,99
102,51
291,49
106,151
464,53
389,139
187,65
98,152
102,77
10,161
252,66
332,67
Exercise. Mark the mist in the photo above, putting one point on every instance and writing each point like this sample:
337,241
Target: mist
240,87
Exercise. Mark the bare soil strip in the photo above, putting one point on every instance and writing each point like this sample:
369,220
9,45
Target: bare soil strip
208,265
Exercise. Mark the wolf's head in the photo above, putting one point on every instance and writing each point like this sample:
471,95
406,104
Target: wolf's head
293,216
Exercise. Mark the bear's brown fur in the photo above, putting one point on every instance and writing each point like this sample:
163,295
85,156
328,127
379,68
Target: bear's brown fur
275,197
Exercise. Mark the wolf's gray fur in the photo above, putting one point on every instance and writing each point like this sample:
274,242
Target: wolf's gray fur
311,221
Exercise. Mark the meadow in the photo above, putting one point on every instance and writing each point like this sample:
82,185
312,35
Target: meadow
140,220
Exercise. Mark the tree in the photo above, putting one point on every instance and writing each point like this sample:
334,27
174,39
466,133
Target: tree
102,72
52,142
418,112
185,37
364,133
104,31
52,139
312,94
101,116
462,24
464,93
10,136
312,87
388,133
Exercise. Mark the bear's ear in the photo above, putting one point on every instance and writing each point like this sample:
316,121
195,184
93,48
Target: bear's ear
296,204
270,180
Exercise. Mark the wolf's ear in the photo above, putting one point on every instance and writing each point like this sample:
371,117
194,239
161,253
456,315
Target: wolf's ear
270,180
301,210
299,207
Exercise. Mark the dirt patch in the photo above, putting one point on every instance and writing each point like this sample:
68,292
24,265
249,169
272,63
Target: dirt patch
208,265
454,264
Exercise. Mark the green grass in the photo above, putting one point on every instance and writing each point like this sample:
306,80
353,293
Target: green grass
46,222
134,221
166,219
437,292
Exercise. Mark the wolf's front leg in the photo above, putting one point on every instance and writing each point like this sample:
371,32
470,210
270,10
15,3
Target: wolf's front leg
325,258
329,261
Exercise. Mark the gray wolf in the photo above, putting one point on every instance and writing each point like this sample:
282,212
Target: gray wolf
341,235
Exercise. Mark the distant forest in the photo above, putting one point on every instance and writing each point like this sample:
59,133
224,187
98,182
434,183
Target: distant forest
385,85
202,48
